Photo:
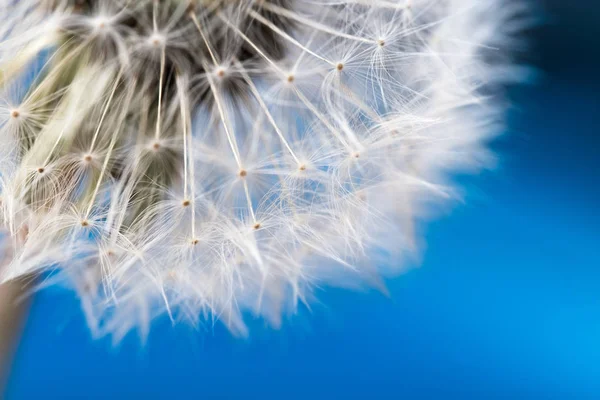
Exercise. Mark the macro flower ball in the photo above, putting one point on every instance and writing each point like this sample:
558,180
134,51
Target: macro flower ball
214,158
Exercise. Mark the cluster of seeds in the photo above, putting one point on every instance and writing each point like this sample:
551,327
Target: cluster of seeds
209,158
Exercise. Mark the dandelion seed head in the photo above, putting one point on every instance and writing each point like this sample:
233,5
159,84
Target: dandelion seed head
210,159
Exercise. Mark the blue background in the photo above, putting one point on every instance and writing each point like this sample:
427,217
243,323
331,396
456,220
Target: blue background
506,303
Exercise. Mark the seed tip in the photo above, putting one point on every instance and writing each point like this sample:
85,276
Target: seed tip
191,8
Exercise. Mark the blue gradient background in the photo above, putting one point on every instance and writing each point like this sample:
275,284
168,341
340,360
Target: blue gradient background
506,303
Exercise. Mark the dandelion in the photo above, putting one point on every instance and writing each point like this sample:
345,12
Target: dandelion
212,158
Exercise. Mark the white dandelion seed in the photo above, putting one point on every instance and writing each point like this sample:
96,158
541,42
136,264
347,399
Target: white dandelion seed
205,159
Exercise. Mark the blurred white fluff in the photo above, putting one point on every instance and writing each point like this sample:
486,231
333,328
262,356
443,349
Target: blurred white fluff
212,158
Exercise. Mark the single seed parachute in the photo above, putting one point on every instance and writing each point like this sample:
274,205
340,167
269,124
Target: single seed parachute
207,159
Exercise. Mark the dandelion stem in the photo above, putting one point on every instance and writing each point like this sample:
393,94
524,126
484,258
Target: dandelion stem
204,38
253,45
184,136
265,109
287,37
112,94
249,200
312,24
111,147
230,137
188,164
320,116
160,92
